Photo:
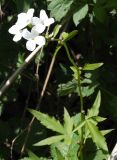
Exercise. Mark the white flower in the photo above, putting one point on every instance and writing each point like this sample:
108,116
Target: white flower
24,19
38,25
44,18
33,39
16,31
42,22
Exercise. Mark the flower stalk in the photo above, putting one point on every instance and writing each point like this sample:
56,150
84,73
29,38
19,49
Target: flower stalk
80,154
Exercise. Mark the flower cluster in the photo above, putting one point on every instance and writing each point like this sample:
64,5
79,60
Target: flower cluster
37,25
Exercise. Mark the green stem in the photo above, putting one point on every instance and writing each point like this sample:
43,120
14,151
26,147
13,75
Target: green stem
80,93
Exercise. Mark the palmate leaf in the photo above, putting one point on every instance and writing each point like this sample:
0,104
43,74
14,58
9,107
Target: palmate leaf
59,8
48,122
94,111
96,135
50,140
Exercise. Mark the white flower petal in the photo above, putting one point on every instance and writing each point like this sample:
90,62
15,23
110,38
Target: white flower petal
40,40
14,29
22,24
21,15
39,28
49,21
43,15
26,34
34,33
17,37
31,45
35,20
30,13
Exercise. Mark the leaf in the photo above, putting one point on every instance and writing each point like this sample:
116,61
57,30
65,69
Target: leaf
63,148
68,123
50,140
79,126
67,36
99,119
80,14
47,121
69,87
104,132
59,8
68,126
73,148
92,66
56,30
94,111
87,91
55,153
96,135
32,155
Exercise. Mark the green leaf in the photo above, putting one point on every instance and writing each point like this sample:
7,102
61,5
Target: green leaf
47,121
63,148
79,126
32,155
96,135
68,126
68,122
50,140
55,153
20,60
69,87
80,14
92,66
94,111
73,148
104,132
59,8
56,30
67,36
99,119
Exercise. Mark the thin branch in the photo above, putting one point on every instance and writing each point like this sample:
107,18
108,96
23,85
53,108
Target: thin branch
41,96
18,71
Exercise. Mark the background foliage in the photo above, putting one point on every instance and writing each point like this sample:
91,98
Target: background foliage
96,41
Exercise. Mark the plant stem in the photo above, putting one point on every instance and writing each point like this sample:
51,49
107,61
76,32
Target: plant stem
80,93
41,96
